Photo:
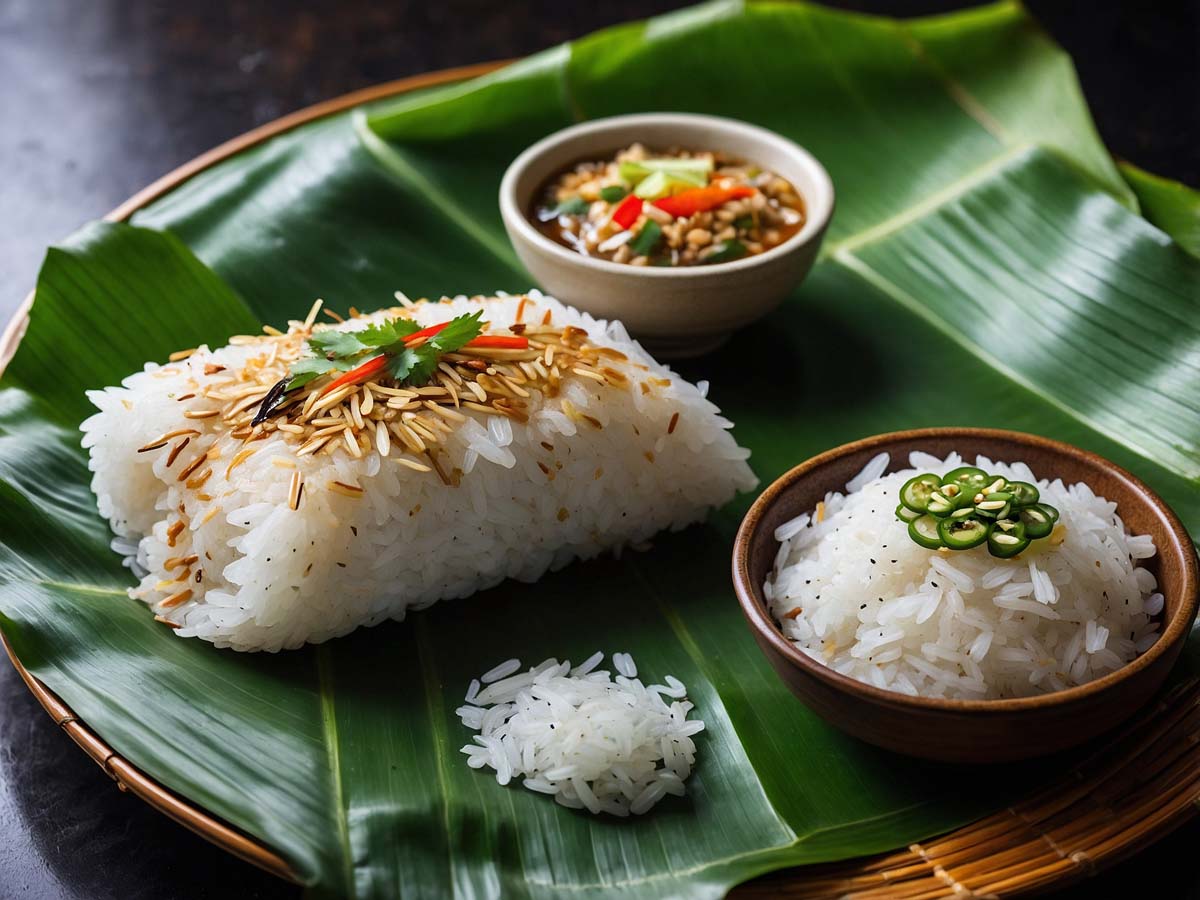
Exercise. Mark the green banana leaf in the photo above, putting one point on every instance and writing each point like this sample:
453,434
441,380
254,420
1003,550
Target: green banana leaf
986,266
1173,207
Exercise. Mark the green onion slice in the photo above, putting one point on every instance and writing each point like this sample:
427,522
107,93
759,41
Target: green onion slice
689,171
647,239
575,206
730,251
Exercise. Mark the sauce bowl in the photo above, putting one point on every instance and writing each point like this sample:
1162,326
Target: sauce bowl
675,311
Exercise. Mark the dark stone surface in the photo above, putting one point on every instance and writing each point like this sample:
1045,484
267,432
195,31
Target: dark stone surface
100,97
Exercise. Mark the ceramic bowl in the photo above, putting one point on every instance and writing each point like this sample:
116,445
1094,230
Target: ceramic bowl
675,312
969,731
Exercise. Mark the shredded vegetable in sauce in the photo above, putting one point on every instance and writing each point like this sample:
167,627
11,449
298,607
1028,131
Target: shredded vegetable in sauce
678,208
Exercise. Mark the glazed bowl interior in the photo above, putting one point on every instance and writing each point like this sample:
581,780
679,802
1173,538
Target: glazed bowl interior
602,138
958,729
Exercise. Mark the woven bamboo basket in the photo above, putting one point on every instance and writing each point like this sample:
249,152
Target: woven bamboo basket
1137,786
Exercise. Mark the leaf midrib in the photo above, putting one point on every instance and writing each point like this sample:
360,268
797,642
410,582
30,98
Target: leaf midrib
397,167
333,749
437,728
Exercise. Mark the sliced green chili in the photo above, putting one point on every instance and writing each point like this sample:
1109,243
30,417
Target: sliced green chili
1003,545
924,531
963,533
1023,492
946,499
1038,519
967,506
968,476
998,484
916,491
614,193
994,502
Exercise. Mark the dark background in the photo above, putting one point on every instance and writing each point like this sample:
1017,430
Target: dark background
100,97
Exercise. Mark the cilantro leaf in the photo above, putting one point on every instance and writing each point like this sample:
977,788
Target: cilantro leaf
457,332
343,350
385,333
336,343
419,363
424,366
414,366
311,368
401,362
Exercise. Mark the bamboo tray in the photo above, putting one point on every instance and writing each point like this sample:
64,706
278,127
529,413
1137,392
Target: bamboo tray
1137,786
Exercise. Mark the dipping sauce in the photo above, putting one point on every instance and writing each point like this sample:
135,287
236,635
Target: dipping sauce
674,208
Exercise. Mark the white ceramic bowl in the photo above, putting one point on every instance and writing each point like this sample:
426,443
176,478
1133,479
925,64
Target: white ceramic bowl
681,311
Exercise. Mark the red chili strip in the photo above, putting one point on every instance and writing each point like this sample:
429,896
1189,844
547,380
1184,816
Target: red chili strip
367,370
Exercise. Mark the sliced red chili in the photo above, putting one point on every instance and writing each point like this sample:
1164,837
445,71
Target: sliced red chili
688,203
367,370
500,342
627,211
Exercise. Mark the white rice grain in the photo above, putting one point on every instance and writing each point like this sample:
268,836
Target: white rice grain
877,607
503,670
593,742
276,577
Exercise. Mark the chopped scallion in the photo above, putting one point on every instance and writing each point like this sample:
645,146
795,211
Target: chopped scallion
729,251
647,239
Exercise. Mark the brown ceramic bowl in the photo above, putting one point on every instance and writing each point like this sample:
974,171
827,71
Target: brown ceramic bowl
969,731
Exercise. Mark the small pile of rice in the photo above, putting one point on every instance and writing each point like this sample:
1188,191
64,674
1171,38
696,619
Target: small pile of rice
854,592
590,740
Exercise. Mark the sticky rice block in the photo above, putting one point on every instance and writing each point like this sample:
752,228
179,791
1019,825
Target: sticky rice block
251,539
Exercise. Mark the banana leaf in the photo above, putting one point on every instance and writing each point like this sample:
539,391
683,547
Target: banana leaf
987,266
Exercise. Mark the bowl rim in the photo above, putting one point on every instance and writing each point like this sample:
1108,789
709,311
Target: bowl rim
818,209
762,623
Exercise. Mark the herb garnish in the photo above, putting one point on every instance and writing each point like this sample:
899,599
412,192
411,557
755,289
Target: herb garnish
394,340
647,239
967,506
573,206
729,251
398,347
